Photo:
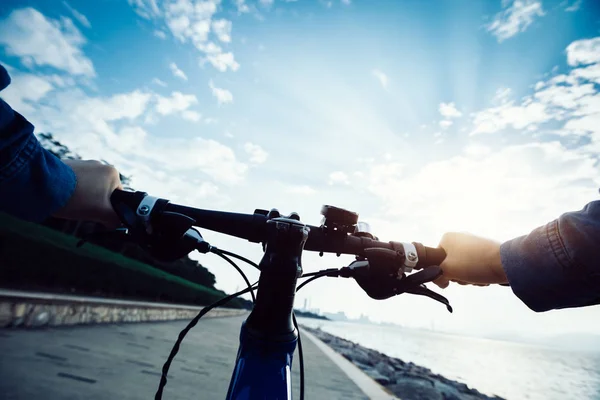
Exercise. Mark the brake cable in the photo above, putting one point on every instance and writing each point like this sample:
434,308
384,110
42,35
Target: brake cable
183,333
234,265
205,310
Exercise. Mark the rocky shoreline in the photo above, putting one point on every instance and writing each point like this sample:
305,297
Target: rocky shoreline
405,380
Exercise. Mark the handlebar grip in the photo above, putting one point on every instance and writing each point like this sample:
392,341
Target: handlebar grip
429,256
131,199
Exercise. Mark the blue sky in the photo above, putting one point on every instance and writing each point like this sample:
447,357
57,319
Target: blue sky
424,117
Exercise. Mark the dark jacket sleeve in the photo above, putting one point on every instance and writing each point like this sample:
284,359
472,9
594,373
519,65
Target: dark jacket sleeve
557,265
33,182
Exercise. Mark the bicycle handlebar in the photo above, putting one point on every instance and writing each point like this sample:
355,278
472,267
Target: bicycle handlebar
252,227
380,269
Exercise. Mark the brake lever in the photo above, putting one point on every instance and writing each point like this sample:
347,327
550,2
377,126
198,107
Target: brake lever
382,281
423,291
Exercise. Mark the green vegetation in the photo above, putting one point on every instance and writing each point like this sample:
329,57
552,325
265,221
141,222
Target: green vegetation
35,257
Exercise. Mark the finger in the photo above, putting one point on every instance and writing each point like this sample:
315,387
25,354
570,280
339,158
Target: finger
460,282
442,282
469,283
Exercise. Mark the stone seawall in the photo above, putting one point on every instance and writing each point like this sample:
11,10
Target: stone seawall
404,379
31,310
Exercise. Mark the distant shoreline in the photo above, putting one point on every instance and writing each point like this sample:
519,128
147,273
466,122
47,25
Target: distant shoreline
308,314
405,380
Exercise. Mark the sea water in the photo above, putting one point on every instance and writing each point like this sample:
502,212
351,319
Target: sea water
511,370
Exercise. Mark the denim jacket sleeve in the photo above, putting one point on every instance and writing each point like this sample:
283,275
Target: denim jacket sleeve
557,265
33,182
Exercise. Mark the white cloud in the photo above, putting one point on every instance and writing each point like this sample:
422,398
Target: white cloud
509,115
590,73
191,115
60,81
177,72
338,178
502,95
129,137
346,2
302,189
515,18
242,7
210,48
93,116
82,19
222,61
475,150
563,96
266,3
178,102
191,22
257,154
28,34
449,110
158,82
160,34
559,99
145,8
211,157
172,185
222,28
381,77
573,7
380,177
223,96
24,90
445,123
583,52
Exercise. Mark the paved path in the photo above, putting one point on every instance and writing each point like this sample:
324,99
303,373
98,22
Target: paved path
123,361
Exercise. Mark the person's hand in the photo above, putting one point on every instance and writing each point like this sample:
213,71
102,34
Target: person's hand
470,260
91,199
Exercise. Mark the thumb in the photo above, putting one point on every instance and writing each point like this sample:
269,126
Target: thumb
442,282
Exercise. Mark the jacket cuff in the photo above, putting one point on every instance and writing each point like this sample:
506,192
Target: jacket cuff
40,183
533,271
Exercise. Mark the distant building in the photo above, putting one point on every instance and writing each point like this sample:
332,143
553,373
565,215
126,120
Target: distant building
338,316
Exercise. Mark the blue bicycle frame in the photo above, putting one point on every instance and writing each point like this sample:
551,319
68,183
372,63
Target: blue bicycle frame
268,337
262,370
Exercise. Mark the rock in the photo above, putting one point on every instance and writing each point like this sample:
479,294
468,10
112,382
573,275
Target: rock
461,387
39,319
411,374
415,389
6,314
397,364
361,366
362,356
355,355
377,377
385,369
20,310
448,392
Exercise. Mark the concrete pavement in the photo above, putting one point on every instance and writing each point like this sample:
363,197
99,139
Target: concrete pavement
123,361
